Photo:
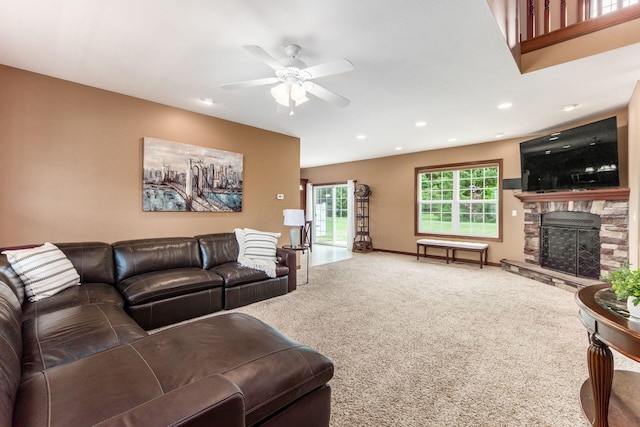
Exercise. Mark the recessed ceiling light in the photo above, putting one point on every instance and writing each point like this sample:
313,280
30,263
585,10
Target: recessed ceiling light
207,101
569,107
452,140
500,135
398,148
553,138
505,105
421,124
361,136
566,146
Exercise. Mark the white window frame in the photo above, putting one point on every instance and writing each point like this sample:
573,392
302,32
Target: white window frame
456,202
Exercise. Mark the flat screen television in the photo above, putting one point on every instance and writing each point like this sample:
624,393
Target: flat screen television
585,157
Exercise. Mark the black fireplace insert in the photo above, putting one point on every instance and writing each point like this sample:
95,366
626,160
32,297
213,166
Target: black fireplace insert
570,243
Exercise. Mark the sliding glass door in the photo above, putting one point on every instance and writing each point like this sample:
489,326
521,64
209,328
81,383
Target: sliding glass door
330,215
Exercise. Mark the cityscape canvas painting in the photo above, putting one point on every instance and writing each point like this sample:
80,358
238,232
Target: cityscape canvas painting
181,177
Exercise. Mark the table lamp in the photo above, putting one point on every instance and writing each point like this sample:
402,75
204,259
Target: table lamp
294,218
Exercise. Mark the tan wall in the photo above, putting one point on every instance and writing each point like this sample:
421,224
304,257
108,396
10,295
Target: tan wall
392,180
71,165
634,177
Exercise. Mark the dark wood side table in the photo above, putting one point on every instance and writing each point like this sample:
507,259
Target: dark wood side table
608,397
302,249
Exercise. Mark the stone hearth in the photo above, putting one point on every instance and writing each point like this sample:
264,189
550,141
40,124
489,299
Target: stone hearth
550,277
612,205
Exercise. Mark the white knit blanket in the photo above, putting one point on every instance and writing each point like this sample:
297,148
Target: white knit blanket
257,249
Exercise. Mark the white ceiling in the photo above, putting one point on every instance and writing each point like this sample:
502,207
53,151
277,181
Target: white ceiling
444,62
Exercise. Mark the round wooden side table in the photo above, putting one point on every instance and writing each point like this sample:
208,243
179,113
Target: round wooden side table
608,397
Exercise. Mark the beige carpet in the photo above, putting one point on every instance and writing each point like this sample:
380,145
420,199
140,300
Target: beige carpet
423,343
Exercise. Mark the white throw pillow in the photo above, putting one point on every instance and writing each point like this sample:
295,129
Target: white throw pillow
257,249
260,245
44,270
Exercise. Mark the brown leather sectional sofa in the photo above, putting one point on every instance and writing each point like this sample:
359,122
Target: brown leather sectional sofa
83,356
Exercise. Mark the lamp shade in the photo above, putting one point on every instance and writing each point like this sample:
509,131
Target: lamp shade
298,94
293,217
281,93
284,92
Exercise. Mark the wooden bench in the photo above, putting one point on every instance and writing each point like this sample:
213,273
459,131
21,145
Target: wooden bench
453,246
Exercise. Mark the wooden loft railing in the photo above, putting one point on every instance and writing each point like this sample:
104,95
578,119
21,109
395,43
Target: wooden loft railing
553,21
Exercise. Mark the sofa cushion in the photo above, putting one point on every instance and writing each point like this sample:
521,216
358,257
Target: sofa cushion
218,248
73,333
282,270
155,314
158,285
86,293
235,274
92,260
133,257
248,293
10,351
45,270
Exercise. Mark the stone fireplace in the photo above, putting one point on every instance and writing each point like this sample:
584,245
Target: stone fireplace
592,227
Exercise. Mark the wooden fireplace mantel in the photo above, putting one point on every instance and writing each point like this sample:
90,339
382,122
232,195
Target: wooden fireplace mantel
567,196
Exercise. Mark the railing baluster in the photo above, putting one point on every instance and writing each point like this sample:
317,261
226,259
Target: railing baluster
540,22
547,29
547,17
531,19
582,7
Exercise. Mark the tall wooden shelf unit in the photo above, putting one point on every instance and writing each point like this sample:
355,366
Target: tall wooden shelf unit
362,241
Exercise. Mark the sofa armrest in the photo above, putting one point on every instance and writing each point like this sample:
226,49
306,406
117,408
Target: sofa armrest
288,258
210,401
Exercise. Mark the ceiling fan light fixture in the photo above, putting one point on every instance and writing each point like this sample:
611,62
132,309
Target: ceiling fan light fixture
285,92
298,94
292,77
301,101
281,93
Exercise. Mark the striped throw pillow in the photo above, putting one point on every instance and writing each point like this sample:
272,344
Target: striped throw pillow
44,270
260,245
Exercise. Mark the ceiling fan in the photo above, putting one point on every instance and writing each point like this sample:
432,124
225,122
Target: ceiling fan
294,78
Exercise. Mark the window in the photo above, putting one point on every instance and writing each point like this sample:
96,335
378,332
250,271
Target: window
602,7
459,200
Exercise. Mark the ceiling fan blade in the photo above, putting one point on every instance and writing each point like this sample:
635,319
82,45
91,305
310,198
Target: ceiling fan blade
264,56
250,83
329,68
326,94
